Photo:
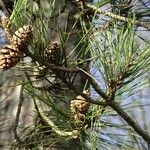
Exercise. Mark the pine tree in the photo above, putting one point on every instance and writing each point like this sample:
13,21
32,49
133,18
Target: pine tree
85,62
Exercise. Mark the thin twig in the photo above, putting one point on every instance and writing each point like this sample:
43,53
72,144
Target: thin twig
63,69
94,84
88,98
117,17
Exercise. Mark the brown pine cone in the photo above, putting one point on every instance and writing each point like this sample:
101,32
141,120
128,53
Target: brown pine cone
9,56
22,37
53,53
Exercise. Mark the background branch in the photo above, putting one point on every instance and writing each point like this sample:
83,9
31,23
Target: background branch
130,121
117,17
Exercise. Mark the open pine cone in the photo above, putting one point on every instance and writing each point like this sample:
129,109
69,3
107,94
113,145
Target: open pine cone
22,37
78,108
9,56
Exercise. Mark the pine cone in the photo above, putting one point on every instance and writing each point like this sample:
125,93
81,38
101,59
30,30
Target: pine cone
53,53
9,56
78,110
79,107
6,26
22,37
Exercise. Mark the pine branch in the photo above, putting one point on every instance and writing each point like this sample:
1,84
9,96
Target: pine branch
94,84
88,98
111,102
130,121
117,17
108,101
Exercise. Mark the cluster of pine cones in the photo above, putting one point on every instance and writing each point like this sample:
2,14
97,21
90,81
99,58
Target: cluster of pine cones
18,42
10,54
79,108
